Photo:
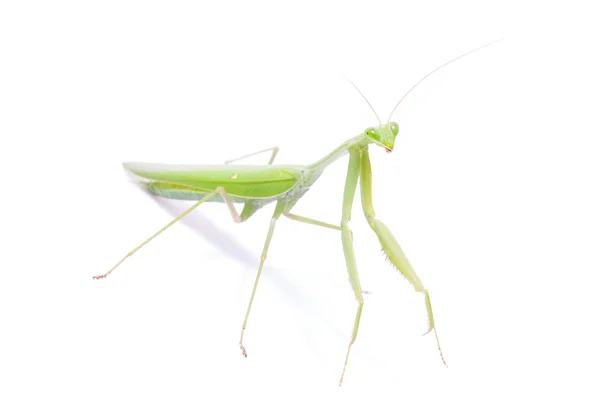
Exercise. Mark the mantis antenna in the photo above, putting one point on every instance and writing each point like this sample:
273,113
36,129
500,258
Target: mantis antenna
363,96
435,70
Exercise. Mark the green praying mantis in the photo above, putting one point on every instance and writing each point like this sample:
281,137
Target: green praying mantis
256,186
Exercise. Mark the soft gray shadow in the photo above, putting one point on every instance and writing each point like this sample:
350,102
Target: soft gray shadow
208,230
237,250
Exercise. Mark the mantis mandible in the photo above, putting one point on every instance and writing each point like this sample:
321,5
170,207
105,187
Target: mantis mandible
256,186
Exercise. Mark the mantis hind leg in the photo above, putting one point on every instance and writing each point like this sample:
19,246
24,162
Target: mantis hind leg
390,245
218,191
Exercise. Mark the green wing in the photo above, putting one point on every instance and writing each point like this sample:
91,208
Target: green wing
190,182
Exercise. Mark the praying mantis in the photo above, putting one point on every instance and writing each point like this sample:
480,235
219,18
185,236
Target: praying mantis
255,186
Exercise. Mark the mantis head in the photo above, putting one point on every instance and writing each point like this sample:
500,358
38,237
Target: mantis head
383,135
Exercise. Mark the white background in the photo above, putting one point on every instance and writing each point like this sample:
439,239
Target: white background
492,190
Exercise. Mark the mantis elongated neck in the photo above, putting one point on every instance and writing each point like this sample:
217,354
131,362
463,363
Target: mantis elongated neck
357,141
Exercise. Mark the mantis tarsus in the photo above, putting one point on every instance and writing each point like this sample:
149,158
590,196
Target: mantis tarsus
257,186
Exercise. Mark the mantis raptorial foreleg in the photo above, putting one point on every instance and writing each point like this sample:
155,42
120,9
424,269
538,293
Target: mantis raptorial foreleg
389,244
273,149
349,191
218,191
278,211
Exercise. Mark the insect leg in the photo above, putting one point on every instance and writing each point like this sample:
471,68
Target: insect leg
272,149
263,257
218,191
390,246
349,191
311,221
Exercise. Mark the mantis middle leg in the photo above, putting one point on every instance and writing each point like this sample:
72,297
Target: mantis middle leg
311,221
274,151
276,214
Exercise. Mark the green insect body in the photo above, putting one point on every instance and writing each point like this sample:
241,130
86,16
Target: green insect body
257,186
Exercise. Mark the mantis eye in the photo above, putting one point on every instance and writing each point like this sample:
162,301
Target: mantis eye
394,128
370,132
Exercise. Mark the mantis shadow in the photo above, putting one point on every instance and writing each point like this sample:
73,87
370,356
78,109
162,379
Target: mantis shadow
233,248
